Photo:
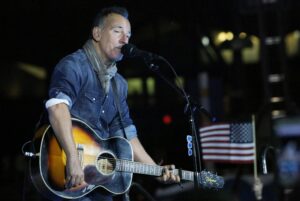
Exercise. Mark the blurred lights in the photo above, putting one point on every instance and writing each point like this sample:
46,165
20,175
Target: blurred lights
242,35
223,36
167,119
205,41
36,71
292,43
250,54
135,86
150,82
276,99
273,40
278,113
273,78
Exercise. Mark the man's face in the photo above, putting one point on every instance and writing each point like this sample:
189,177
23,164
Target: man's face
115,33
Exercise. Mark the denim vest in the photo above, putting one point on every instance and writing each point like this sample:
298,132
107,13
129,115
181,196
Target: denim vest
75,80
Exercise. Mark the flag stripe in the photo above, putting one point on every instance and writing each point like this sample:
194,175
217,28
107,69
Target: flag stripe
230,161
214,139
226,151
241,158
215,127
217,144
216,136
220,132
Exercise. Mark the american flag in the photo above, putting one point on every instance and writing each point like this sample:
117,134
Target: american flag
228,142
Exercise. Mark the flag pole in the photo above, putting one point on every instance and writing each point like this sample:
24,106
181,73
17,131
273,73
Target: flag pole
255,153
257,184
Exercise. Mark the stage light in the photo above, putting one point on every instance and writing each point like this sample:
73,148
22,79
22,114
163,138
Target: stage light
167,119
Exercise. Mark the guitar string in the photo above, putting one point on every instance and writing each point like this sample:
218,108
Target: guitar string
123,161
208,179
129,162
157,169
207,176
112,160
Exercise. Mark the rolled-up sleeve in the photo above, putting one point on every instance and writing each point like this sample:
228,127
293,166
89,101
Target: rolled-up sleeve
130,132
54,101
65,81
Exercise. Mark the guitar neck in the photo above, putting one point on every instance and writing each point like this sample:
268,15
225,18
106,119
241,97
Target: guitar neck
153,170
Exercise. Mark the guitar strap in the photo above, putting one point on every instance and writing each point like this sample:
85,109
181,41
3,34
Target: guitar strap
117,102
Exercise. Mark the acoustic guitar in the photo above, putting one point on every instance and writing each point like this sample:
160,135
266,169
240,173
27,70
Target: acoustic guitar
107,163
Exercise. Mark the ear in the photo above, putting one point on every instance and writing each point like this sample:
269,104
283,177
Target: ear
96,31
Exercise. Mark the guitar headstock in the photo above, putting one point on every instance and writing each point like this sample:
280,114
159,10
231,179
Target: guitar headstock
209,180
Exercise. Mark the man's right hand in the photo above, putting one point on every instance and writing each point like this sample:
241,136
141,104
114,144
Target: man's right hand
74,172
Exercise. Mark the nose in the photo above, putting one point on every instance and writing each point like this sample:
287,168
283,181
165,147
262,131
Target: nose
124,38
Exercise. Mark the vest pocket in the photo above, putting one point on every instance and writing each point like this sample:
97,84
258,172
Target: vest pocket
88,107
91,97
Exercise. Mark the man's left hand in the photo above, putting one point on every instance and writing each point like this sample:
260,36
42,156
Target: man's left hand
168,175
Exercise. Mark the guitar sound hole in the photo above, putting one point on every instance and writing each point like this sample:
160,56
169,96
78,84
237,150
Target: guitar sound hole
106,163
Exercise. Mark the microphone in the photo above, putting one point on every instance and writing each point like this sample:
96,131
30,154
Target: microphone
130,51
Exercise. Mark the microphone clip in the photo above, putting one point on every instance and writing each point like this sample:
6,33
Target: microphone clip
151,65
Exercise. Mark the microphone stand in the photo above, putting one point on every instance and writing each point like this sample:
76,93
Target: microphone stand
190,108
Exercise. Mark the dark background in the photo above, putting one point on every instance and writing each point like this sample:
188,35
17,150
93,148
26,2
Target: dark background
38,33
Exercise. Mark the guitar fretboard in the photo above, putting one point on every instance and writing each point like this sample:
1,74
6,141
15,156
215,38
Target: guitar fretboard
154,170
